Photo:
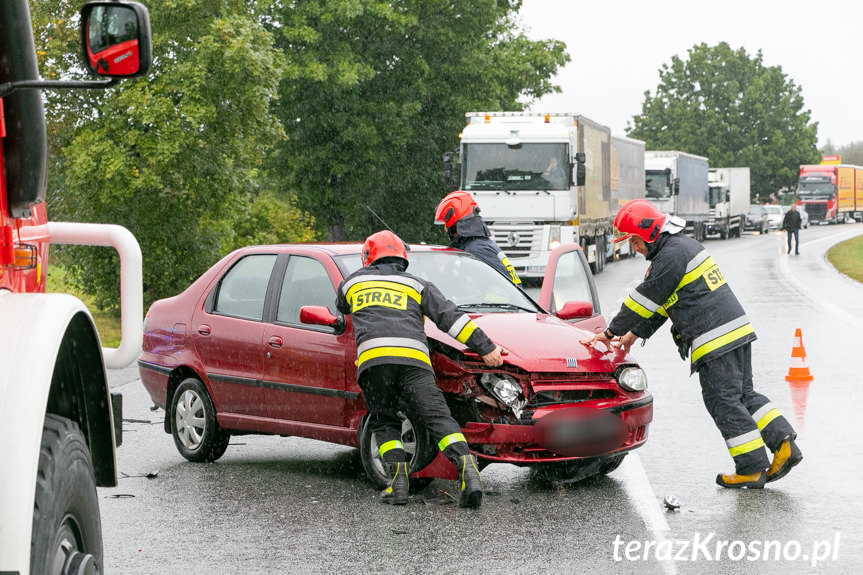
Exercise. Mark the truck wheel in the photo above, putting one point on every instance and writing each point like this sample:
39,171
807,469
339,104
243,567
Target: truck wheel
67,530
419,451
196,432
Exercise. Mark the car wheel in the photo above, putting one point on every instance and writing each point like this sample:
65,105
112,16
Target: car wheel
419,451
568,471
196,432
610,463
67,530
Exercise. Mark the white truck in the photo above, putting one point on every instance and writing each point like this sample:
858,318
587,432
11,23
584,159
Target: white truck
59,425
627,182
729,195
541,180
676,183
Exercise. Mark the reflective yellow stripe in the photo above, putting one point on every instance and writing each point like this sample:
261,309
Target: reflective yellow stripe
696,273
637,307
450,439
409,291
661,311
466,332
765,421
746,447
394,444
721,340
392,352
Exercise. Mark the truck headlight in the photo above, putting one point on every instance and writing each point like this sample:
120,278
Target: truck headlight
506,389
553,237
632,379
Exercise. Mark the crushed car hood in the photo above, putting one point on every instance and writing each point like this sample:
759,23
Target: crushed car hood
538,342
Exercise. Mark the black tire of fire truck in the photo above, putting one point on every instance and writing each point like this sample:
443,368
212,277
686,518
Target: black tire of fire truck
67,530
213,439
419,448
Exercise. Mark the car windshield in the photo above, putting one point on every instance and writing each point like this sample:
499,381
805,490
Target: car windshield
470,283
773,209
755,211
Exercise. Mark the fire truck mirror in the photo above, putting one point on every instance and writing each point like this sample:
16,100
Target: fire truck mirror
116,39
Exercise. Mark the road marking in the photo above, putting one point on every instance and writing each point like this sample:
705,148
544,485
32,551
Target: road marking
823,302
641,494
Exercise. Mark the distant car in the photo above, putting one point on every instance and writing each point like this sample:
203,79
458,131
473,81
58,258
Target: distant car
804,215
756,220
256,345
775,215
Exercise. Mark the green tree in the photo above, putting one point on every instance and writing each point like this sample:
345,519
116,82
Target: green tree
851,153
175,157
375,92
728,106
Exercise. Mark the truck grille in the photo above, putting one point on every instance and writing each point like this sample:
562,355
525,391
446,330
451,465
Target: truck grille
816,211
518,241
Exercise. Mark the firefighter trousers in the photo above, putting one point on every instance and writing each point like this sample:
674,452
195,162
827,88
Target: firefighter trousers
747,419
390,388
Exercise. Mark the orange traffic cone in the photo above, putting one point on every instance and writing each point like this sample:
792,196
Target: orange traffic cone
799,370
799,392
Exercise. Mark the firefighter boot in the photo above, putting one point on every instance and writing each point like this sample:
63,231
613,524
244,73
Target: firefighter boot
396,492
787,456
469,481
735,481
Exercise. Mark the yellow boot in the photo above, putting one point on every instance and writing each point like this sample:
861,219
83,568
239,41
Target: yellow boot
787,456
734,481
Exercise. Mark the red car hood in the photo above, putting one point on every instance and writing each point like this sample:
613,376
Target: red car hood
538,343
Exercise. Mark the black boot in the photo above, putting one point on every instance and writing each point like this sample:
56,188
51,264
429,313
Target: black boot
396,492
469,481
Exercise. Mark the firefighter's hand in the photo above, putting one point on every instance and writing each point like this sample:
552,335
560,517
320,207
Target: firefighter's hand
599,338
624,343
493,358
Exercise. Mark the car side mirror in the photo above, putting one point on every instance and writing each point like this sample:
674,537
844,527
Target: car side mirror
116,39
575,310
319,315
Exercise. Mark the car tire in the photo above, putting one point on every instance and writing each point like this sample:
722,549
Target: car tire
196,432
67,529
610,463
570,471
418,447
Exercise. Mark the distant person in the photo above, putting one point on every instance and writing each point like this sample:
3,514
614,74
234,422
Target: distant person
389,307
467,231
708,324
554,173
791,224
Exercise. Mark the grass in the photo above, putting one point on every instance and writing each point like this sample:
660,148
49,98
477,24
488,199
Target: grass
847,257
107,324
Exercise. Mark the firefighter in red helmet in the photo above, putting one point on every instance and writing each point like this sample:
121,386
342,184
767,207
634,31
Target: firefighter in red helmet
393,363
684,284
466,231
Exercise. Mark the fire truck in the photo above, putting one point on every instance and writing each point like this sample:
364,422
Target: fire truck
831,191
59,423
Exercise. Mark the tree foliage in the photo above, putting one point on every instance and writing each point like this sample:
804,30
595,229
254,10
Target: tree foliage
728,106
851,153
376,92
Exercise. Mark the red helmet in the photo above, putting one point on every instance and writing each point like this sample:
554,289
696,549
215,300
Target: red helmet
640,218
454,207
383,245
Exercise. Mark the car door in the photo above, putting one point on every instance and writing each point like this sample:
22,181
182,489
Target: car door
227,332
568,279
305,365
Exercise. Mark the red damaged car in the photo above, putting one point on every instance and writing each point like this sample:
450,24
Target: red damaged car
256,345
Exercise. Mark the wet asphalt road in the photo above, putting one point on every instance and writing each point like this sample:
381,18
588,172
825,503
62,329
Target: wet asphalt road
289,505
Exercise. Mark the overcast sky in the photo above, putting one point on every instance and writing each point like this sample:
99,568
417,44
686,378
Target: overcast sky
618,46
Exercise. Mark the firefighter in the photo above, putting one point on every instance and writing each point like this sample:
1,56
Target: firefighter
709,325
393,363
466,231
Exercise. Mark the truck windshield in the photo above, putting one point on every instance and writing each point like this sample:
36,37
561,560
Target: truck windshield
820,189
528,167
716,195
656,184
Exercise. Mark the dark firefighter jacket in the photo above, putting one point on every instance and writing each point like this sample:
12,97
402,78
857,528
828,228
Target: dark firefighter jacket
389,307
474,238
684,284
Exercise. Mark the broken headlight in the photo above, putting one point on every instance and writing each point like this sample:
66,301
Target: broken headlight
632,379
506,389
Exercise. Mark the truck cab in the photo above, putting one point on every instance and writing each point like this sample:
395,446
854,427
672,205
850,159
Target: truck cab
59,425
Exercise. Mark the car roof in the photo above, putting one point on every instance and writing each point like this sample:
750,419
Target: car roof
340,248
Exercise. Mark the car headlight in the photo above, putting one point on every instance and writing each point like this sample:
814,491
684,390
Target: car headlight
505,388
632,379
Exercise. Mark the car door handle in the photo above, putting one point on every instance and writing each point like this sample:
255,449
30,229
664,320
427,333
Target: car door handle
204,329
275,342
